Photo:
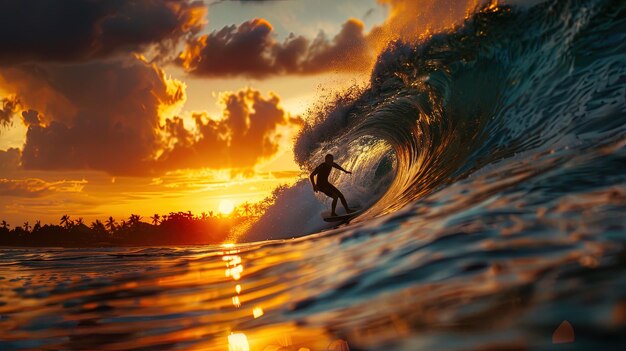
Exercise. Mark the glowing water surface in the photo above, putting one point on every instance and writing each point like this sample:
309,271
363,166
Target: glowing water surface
418,279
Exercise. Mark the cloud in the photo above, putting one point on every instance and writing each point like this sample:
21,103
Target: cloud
108,116
8,107
9,161
31,117
247,133
74,30
33,187
250,49
102,115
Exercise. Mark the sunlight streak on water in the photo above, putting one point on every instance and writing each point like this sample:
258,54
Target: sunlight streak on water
238,342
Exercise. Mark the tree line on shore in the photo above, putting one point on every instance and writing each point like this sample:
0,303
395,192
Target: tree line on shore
175,228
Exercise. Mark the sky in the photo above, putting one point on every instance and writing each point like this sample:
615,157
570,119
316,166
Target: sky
111,107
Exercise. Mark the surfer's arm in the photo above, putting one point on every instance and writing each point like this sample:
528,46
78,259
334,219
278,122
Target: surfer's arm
312,177
341,169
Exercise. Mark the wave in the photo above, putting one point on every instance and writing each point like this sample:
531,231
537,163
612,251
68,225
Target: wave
510,83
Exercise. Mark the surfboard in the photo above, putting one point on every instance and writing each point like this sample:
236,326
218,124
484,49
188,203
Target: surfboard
341,217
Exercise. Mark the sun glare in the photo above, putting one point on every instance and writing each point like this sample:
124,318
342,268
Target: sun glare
226,207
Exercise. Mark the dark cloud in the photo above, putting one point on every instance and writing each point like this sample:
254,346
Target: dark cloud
8,107
251,50
246,134
9,161
31,117
347,51
100,115
107,116
71,30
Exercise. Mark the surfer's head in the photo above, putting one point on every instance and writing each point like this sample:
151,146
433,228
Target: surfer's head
329,158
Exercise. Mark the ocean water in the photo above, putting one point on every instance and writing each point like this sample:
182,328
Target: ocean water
491,160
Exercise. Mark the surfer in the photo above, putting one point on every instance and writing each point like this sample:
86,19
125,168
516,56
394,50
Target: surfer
323,171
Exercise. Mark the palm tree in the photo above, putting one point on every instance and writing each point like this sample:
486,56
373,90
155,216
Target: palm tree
246,208
257,209
79,221
37,226
26,226
210,213
133,220
110,224
65,221
98,226
155,219
203,216
4,224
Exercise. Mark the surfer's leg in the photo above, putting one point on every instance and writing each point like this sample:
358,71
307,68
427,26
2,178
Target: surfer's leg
344,203
333,213
332,192
338,194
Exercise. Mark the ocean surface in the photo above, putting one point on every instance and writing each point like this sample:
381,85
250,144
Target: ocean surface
491,161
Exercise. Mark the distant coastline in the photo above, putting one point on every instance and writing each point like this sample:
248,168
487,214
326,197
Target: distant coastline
176,228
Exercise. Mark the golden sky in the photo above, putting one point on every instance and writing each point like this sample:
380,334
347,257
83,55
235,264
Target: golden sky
112,108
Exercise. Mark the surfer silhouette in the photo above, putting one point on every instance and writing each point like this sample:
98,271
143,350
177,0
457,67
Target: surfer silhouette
323,171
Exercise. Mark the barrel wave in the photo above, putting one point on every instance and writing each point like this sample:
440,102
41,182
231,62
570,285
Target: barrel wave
490,159
545,84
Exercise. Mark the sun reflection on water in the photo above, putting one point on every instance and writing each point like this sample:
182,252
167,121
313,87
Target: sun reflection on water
189,302
287,337
257,312
238,342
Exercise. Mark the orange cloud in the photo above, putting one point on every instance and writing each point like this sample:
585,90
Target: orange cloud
102,115
115,125
31,117
251,50
9,161
33,187
246,134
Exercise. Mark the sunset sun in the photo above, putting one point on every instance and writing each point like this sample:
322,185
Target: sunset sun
226,207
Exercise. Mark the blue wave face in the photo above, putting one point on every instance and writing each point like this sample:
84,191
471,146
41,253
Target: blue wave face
545,82
491,160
